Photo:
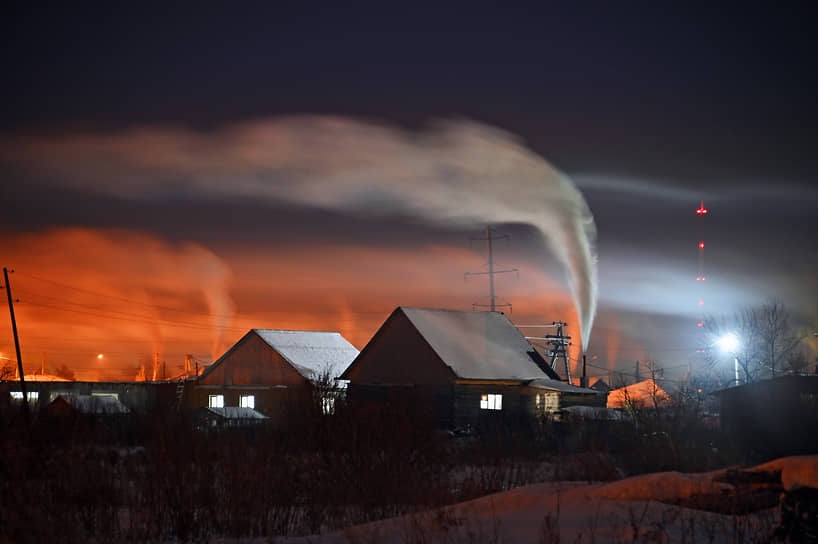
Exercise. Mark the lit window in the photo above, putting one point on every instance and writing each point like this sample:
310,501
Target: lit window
18,395
216,401
247,401
538,402
328,405
491,402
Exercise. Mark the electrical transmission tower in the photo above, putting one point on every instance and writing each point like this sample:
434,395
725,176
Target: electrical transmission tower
491,235
556,345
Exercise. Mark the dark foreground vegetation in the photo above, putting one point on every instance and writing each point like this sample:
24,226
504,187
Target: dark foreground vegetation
80,478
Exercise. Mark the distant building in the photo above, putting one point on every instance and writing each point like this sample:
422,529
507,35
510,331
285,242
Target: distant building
277,373
644,394
459,367
773,417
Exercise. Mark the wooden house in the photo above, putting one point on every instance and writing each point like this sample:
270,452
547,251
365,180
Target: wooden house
275,372
459,367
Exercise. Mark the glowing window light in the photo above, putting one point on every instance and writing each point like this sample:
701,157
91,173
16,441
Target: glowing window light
215,401
247,401
491,402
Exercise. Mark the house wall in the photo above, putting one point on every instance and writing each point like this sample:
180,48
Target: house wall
282,404
467,396
398,354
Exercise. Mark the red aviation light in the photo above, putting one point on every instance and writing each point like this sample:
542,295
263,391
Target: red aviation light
701,245
702,210
700,324
701,303
700,278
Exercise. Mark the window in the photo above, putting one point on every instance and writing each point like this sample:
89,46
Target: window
491,402
18,395
216,401
539,402
247,401
328,405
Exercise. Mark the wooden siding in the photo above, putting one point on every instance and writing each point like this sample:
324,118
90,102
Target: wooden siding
398,354
467,411
252,362
281,404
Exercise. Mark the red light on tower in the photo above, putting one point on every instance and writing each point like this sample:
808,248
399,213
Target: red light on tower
700,324
702,210
701,245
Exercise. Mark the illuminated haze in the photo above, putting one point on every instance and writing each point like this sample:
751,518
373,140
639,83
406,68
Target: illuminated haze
451,173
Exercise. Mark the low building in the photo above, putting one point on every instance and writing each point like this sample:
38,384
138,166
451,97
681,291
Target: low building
773,417
279,373
459,367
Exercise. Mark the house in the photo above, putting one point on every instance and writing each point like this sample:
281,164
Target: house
459,368
773,417
275,372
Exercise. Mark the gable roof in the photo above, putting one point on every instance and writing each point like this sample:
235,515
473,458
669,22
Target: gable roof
476,345
311,353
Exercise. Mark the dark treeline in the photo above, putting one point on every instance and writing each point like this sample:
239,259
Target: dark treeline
80,478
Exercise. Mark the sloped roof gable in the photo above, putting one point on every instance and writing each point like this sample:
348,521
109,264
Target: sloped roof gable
311,353
476,345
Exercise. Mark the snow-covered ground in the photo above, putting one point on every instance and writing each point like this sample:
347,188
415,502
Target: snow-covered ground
637,509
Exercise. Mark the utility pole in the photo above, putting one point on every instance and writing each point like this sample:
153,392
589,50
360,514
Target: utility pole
16,344
490,237
556,343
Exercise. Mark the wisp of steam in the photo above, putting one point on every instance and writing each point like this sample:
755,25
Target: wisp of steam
451,173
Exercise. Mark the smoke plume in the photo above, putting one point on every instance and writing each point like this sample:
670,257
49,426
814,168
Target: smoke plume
452,173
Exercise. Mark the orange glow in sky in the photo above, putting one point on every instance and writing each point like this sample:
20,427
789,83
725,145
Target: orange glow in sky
105,302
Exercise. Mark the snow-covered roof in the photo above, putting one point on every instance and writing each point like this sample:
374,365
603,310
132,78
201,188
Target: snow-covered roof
476,345
95,404
563,387
312,353
236,412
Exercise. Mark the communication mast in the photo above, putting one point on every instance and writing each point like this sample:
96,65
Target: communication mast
491,235
701,277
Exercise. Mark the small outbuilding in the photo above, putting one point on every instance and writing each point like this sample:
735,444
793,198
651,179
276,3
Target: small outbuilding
459,367
773,417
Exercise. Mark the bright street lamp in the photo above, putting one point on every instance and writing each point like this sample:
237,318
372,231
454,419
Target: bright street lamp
729,343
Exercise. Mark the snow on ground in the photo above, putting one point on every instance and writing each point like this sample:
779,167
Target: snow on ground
627,510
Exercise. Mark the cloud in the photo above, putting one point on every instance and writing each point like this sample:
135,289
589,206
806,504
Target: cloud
453,173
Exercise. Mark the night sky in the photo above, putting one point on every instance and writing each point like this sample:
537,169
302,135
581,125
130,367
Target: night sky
135,225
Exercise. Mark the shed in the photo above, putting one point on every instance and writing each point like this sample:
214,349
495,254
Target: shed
461,367
773,417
